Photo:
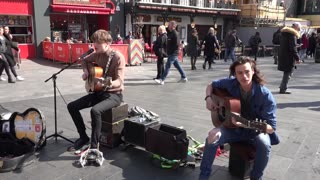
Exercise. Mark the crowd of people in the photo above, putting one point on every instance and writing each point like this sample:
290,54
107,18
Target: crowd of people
7,59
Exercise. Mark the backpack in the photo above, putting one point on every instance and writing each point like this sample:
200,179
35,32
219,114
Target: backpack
276,38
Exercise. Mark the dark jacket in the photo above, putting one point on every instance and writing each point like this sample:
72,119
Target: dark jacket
193,46
262,103
160,46
288,53
173,43
10,44
210,42
276,37
231,40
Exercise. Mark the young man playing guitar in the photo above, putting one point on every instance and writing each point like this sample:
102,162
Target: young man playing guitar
111,86
247,84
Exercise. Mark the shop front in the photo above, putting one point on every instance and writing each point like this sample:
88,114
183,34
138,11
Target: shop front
75,21
18,16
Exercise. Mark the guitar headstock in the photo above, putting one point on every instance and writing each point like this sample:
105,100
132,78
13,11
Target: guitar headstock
259,125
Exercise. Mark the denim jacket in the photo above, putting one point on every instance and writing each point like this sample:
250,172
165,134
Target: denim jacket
262,102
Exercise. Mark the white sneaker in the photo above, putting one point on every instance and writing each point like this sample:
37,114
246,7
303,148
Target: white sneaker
19,78
183,80
159,81
2,78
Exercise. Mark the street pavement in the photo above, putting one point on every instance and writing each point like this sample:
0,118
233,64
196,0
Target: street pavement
178,104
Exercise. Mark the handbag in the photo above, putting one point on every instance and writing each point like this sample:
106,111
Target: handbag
217,51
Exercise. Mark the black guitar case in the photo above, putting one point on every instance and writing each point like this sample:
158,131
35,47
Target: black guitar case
21,135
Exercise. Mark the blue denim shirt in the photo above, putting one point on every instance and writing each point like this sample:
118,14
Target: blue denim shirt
263,104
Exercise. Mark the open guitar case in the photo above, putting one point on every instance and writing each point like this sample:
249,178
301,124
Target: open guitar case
18,148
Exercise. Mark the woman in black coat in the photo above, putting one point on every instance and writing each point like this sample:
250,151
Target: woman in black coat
210,43
9,55
288,54
193,48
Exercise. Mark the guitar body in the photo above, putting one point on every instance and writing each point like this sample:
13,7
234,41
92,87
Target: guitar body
226,103
29,124
94,74
20,136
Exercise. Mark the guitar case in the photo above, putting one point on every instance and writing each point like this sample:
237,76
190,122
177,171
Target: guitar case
21,136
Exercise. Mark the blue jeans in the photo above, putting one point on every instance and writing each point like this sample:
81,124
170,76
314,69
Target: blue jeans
260,141
229,51
172,59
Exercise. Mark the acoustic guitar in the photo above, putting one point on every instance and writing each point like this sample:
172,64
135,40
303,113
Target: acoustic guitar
95,76
230,107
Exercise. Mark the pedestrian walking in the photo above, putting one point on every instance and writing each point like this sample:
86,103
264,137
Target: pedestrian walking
160,49
288,54
210,44
230,42
193,48
173,43
254,42
276,44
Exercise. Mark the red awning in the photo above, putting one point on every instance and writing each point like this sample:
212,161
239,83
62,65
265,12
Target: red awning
80,9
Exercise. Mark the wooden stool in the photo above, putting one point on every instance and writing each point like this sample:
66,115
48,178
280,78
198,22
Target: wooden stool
112,125
241,159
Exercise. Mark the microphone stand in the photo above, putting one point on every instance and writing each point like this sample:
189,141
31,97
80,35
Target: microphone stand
54,77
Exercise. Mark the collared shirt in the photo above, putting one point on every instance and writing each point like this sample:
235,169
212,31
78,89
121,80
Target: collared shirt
262,103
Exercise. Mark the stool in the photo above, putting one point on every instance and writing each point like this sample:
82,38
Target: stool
241,159
112,125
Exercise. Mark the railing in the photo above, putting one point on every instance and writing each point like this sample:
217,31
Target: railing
192,3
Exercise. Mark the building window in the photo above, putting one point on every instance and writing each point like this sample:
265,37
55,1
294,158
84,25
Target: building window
311,7
20,27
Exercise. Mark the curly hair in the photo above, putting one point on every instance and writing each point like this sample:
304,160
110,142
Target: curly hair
101,36
257,76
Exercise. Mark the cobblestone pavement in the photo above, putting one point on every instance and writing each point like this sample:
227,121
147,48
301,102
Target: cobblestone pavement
178,104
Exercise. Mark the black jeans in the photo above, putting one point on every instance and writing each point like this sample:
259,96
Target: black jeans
4,65
160,67
100,103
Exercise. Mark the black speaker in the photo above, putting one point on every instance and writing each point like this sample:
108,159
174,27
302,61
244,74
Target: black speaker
167,141
135,128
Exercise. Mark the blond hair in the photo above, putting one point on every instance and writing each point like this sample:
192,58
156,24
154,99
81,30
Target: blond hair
101,36
162,28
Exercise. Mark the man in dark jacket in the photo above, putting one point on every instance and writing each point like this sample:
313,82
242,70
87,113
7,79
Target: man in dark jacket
288,54
254,42
173,43
230,41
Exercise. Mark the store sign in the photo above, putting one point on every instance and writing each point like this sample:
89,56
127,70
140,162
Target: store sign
81,11
74,28
177,19
96,3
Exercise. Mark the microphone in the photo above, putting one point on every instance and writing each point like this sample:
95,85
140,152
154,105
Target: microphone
86,53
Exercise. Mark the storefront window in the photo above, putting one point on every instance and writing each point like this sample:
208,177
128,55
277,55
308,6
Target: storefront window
20,27
68,27
311,7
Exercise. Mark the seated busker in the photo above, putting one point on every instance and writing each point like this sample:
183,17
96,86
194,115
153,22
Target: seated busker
104,92
247,85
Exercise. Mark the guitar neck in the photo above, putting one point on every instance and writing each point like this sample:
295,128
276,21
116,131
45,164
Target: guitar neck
256,125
